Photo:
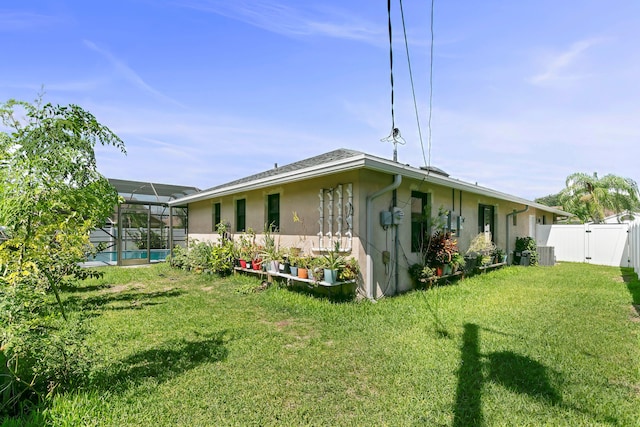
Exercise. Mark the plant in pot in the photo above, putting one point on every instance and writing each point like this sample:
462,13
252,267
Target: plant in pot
482,248
303,266
421,274
334,261
350,271
270,254
440,250
271,257
246,244
289,258
458,262
316,269
499,256
294,262
256,260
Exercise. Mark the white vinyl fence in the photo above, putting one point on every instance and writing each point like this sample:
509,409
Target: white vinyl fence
602,244
634,245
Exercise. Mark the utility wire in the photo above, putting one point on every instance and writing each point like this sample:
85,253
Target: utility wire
413,90
393,119
430,82
394,137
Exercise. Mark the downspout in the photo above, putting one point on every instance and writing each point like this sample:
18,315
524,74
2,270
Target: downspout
369,285
526,208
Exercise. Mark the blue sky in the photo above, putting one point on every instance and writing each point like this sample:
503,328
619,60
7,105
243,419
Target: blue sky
207,91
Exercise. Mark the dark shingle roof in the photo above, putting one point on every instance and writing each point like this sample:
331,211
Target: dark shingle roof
331,156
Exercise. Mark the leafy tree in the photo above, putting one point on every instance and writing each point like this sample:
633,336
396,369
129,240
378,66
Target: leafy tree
550,200
590,197
51,196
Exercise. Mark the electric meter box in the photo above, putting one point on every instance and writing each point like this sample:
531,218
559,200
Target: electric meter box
385,219
398,215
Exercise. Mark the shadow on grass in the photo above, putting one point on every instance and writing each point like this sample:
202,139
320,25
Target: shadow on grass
633,285
78,289
326,293
433,300
515,372
522,375
169,360
468,409
106,301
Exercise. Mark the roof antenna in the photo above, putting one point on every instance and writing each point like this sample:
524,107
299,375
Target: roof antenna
395,138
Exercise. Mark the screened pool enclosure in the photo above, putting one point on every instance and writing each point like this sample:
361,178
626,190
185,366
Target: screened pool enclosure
143,227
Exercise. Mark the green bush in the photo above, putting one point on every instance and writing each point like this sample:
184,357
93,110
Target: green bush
222,258
178,258
199,256
41,352
528,244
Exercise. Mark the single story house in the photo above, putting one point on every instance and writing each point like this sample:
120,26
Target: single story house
363,202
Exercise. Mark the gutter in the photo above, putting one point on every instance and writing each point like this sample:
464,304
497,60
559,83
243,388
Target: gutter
526,208
369,282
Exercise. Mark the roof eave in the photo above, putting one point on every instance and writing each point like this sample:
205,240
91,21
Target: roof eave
362,161
408,171
341,165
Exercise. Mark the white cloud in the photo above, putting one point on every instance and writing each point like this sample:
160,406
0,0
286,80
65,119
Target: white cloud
283,19
560,66
129,74
22,21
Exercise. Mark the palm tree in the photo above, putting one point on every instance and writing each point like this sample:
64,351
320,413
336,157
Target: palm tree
589,197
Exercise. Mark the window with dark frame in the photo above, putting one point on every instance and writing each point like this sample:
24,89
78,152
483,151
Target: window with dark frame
216,215
241,215
273,212
420,220
486,216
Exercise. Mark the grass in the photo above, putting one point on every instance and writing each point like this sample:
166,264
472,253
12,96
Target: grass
519,346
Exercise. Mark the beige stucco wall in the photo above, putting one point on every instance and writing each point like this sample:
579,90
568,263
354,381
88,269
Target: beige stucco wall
301,199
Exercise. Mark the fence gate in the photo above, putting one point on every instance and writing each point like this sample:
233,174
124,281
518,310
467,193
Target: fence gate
602,244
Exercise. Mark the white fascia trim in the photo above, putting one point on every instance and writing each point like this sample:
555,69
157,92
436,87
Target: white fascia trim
363,161
419,174
341,165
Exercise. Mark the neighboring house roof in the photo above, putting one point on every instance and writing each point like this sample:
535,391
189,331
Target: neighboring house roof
342,160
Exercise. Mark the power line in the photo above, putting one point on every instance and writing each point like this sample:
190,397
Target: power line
413,91
430,82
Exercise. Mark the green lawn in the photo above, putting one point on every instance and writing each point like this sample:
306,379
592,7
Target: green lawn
519,346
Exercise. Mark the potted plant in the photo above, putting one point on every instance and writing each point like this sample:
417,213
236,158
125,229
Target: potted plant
316,269
457,262
293,261
270,254
246,243
440,251
421,274
499,256
303,266
256,260
350,271
334,261
481,248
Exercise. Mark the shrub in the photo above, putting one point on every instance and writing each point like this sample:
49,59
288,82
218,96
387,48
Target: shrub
178,258
528,244
441,249
199,256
